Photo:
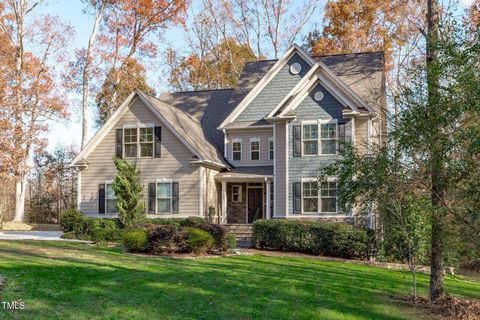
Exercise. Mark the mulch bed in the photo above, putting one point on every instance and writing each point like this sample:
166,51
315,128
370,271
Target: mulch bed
448,308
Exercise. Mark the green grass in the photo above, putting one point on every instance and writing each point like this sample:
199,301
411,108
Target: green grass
59,280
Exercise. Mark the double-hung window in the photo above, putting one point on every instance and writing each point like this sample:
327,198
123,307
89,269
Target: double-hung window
319,198
236,193
110,199
320,138
138,141
130,142
254,149
164,197
237,150
310,139
271,147
328,138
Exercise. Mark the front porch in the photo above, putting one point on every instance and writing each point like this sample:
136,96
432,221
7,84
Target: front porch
246,195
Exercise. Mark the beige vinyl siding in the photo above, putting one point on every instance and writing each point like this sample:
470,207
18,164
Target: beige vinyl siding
245,136
174,165
361,134
280,187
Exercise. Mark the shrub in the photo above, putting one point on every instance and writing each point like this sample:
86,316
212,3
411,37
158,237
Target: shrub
135,240
199,241
219,234
163,221
192,222
325,238
128,190
231,241
75,222
106,235
167,238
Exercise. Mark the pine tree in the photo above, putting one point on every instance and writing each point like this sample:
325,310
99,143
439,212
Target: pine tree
129,192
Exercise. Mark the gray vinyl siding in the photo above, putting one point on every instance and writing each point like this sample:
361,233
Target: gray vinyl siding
245,136
308,166
174,165
274,91
280,167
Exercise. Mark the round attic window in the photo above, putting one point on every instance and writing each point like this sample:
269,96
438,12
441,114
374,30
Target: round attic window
295,68
318,96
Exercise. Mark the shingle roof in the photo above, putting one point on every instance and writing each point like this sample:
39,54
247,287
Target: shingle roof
208,107
189,127
201,112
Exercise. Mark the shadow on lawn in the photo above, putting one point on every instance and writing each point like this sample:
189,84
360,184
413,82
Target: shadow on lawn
243,287
84,282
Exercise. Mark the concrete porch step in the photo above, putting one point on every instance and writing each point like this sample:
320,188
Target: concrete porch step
243,234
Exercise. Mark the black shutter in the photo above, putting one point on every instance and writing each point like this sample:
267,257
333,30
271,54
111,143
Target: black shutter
151,197
175,197
101,198
341,137
297,141
297,198
158,142
119,143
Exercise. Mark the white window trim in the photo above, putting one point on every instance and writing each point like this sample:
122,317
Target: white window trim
106,208
237,140
271,148
239,193
319,197
259,148
166,181
138,126
319,122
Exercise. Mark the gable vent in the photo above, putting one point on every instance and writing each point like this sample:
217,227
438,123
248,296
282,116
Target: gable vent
295,68
318,96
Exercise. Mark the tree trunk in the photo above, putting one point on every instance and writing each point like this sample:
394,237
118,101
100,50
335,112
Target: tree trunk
20,190
436,156
86,75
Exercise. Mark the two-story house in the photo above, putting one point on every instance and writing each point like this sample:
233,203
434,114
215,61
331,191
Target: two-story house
247,153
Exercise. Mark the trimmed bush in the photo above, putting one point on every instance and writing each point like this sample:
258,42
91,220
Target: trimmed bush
135,240
167,239
231,241
192,222
164,221
75,222
106,235
323,238
199,241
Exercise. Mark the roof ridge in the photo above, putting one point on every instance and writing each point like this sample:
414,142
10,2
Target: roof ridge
344,54
202,90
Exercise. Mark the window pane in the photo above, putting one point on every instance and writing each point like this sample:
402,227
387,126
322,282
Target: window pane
131,150
146,134
146,150
329,204
130,135
163,206
111,206
255,145
255,155
329,131
237,146
109,193
237,155
329,146
164,190
271,155
310,205
310,131
310,147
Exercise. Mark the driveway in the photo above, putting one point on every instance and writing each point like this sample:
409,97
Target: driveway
30,235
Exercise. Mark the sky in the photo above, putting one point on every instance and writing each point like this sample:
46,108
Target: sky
69,131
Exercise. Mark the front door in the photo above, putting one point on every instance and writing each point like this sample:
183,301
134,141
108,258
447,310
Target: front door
255,204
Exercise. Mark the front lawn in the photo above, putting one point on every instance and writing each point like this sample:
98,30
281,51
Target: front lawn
59,280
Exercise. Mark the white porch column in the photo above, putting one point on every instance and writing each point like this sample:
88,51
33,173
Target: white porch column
224,202
268,214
